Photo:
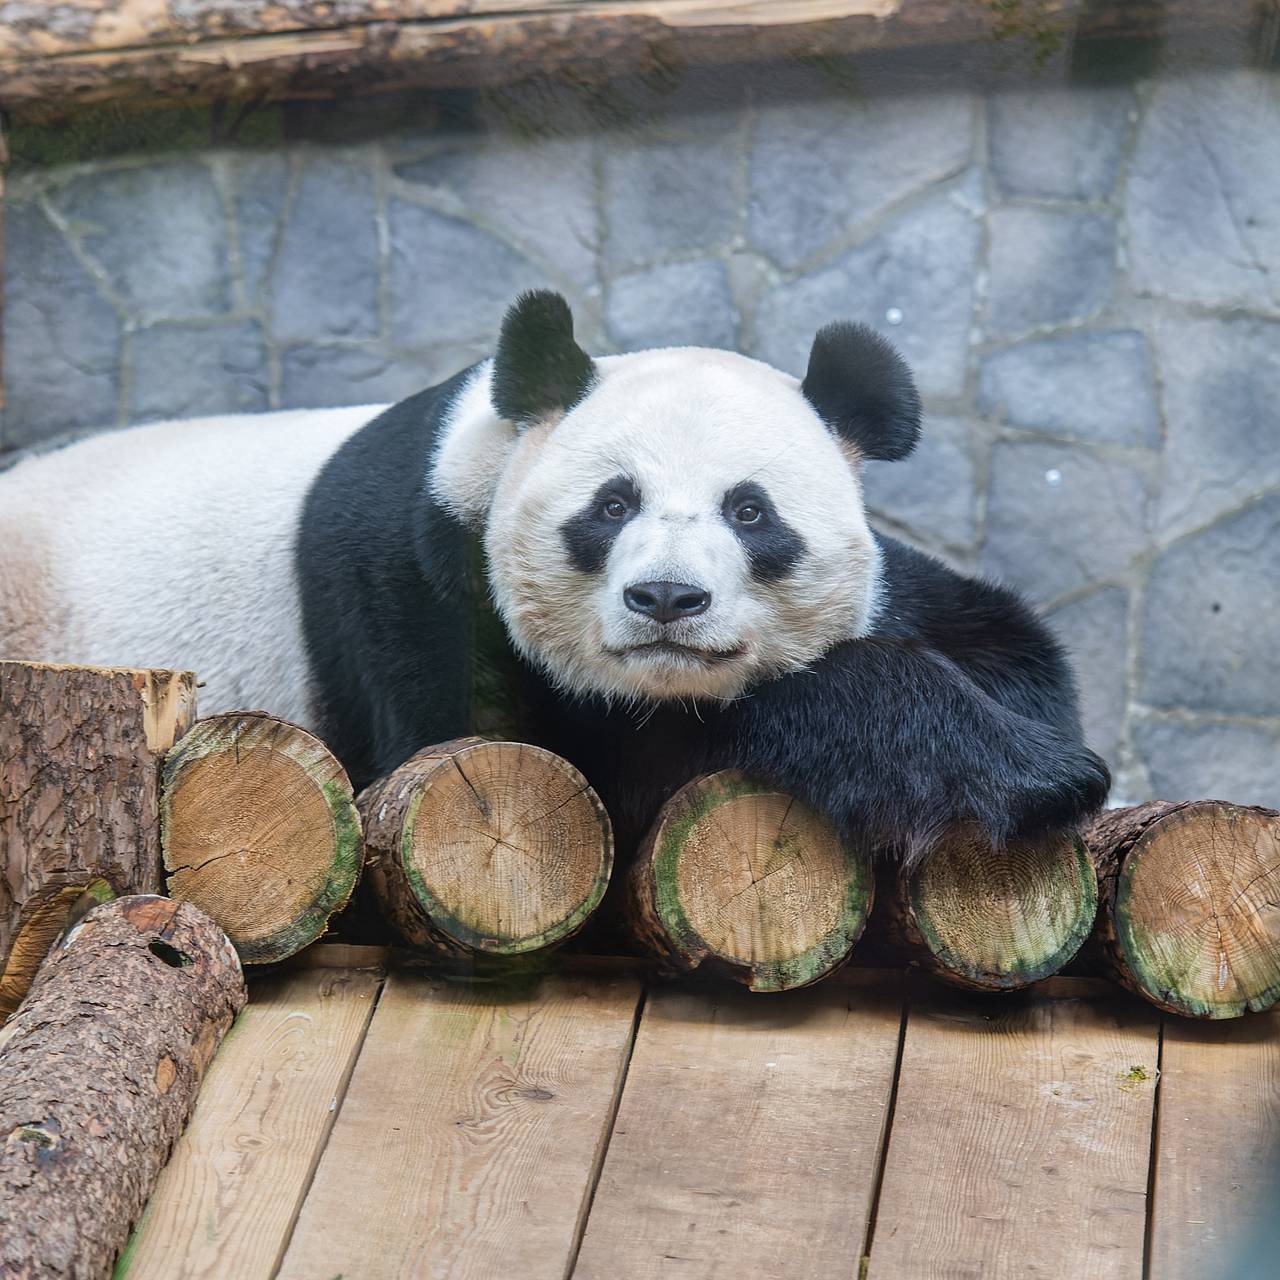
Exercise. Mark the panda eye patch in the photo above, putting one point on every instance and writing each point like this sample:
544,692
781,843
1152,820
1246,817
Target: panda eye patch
772,546
589,535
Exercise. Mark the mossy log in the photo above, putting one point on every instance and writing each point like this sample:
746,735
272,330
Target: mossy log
1190,915
744,881
80,753
992,919
99,1070
496,848
259,828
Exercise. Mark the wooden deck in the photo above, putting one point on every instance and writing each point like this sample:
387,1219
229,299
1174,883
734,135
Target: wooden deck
359,1125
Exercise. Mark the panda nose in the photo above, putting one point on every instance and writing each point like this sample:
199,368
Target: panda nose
666,601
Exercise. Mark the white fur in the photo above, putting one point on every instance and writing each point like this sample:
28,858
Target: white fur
170,545
686,424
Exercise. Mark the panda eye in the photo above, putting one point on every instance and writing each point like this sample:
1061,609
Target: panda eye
748,513
616,509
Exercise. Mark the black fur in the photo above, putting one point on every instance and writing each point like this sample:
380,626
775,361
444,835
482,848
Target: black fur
773,547
863,390
538,368
386,604
590,534
959,705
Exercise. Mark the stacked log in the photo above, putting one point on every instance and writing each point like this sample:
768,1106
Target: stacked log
259,829
99,1070
1190,915
80,753
490,848
746,882
993,919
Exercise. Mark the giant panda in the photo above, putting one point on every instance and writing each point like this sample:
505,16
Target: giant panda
675,541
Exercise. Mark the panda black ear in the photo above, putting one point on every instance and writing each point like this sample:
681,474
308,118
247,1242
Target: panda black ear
863,390
538,368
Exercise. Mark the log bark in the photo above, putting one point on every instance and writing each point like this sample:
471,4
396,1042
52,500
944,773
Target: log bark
80,752
991,920
4,166
496,848
748,883
99,1070
78,51
1190,914
259,829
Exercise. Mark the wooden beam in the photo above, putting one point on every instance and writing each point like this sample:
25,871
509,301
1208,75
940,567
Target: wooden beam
80,51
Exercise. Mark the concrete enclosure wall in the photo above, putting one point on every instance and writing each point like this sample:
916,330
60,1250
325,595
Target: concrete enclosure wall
1085,279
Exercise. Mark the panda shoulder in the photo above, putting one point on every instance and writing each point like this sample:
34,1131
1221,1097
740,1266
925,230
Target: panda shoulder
923,598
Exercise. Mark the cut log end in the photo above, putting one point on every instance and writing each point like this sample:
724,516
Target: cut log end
260,830
492,847
1193,897
750,883
44,921
997,919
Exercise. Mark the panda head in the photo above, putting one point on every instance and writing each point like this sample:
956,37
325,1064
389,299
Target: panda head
677,523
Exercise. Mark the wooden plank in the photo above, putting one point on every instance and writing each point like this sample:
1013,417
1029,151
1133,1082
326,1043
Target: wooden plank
748,1138
472,1131
228,1199
1217,1143
1021,1139
53,58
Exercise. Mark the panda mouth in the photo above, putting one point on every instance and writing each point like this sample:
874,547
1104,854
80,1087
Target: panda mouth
709,657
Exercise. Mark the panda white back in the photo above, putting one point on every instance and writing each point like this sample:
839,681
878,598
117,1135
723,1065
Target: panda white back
170,545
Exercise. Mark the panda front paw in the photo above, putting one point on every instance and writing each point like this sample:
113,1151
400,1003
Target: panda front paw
1061,790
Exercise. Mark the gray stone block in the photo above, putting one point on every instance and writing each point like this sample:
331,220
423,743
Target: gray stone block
1047,267
160,234
61,337
1058,143
919,270
191,373
1094,386
821,167
667,196
1222,409
319,377
539,194
683,304
450,282
1209,601
1060,517
1203,202
932,493
1189,760
1094,630
262,187
324,280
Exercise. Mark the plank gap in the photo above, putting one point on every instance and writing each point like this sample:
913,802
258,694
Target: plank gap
340,1097
606,1137
886,1137
1154,1160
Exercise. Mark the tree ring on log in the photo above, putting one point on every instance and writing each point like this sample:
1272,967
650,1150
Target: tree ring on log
754,882
998,919
260,830
505,847
1197,910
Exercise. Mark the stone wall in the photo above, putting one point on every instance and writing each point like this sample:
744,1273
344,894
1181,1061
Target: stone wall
1086,280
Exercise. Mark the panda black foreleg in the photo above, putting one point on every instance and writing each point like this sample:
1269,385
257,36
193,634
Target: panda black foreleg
896,744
